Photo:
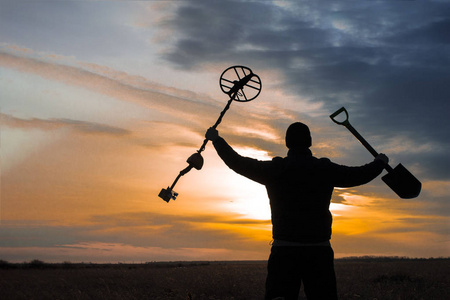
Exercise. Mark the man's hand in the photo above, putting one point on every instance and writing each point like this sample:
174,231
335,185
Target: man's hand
212,134
383,158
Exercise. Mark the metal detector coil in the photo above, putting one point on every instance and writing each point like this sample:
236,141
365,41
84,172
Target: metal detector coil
233,81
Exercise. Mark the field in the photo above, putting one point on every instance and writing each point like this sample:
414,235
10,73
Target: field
369,278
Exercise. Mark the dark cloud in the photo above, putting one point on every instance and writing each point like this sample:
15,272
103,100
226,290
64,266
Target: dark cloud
213,31
387,62
434,33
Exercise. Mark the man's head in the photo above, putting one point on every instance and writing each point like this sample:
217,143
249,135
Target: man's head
298,136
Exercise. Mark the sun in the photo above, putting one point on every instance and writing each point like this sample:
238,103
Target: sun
248,199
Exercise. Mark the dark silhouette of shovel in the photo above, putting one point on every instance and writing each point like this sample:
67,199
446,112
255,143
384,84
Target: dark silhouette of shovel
399,179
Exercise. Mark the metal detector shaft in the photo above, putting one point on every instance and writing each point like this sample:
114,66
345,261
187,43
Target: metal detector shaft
235,92
195,160
202,148
205,141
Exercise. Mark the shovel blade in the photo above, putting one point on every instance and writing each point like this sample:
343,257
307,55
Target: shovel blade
402,182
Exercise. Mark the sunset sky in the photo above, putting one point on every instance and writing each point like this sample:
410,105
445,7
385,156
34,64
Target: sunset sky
102,102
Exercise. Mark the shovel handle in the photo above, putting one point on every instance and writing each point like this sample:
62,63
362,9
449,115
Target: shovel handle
361,139
340,110
349,126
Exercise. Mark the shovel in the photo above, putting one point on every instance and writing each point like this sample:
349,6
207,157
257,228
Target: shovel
399,179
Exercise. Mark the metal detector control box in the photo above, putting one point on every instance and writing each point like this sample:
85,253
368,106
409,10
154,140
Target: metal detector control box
167,194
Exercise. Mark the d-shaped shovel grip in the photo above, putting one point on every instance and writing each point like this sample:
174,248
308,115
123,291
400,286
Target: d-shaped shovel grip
347,124
336,113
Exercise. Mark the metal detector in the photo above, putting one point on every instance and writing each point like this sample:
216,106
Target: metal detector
399,179
232,82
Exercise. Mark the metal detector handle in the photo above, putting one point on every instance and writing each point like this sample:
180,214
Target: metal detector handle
349,126
205,141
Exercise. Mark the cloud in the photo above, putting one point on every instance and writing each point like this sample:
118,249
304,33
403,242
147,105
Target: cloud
155,219
169,108
105,81
52,124
159,106
364,64
387,63
128,236
47,27
165,230
431,34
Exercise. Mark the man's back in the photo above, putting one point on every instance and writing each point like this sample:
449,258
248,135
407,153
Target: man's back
299,187
300,193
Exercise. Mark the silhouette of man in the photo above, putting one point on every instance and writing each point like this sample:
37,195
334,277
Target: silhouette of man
299,187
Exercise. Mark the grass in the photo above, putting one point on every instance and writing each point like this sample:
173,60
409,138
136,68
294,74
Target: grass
369,278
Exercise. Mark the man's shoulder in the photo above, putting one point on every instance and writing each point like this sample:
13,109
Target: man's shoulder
278,162
278,159
324,160
313,158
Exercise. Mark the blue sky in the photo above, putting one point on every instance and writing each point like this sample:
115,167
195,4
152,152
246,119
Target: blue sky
103,101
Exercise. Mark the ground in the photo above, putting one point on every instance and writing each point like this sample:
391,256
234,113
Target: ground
369,278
